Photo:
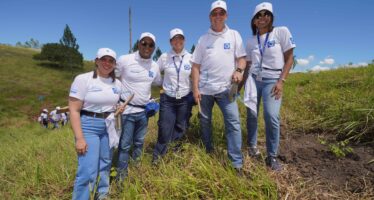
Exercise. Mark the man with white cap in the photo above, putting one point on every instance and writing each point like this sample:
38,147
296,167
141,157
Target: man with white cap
175,102
137,72
55,117
218,62
93,97
270,58
44,118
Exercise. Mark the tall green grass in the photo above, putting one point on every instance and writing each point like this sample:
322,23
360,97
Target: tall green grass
339,101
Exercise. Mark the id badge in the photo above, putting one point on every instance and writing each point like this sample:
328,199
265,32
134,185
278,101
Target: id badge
259,77
178,95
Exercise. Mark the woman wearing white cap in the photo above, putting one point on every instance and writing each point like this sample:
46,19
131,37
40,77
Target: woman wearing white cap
269,60
93,96
175,105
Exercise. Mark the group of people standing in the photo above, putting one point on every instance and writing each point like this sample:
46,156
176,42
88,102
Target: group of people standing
55,118
219,66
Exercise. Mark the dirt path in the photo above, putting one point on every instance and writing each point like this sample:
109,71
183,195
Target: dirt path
313,172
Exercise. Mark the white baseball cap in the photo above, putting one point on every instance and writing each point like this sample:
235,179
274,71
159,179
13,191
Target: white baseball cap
106,52
263,6
218,4
45,110
58,108
175,32
147,34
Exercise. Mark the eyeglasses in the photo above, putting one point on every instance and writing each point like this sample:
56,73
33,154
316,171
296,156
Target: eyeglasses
263,14
146,44
215,14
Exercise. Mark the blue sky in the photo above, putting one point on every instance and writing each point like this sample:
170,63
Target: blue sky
328,33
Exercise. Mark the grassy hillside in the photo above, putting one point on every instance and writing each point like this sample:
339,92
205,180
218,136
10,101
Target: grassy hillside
39,163
340,102
26,86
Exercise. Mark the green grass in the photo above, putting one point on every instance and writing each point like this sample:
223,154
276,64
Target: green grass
340,102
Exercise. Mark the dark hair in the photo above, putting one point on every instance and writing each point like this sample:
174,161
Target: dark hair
111,74
254,28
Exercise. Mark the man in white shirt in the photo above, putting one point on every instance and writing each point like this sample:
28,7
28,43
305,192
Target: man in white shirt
55,118
137,72
218,62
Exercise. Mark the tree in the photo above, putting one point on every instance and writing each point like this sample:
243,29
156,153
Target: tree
32,43
294,62
158,53
62,55
192,49
135,47
68,39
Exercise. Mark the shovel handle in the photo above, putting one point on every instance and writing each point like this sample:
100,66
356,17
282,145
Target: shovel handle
124,105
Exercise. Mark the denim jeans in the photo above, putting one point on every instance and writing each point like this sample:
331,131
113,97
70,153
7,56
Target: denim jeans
232,125
172,122
96,163
271,117
134,129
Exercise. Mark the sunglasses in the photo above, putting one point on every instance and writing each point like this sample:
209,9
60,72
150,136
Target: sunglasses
215,14
263,14
146,44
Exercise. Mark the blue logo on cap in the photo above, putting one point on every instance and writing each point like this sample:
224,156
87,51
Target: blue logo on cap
226,45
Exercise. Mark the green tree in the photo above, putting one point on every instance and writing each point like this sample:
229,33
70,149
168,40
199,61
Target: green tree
294,62
158,53
135,47
62,55
192,49
68,39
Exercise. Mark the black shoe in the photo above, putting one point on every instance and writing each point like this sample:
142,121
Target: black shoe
273,163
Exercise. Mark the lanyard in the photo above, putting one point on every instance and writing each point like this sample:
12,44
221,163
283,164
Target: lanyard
262,48
178,69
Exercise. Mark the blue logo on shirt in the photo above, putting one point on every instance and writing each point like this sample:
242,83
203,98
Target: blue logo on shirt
226,45
271,43
292,41
115,90
73,90
187,67
150,74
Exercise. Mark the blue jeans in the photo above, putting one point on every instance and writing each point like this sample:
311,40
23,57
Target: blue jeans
134,129
172,122
96,163
271,117
232,125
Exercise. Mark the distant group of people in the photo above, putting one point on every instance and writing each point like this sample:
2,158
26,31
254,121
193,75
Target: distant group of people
55,117
219,67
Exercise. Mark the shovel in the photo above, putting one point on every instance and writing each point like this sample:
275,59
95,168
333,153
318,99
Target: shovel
118,115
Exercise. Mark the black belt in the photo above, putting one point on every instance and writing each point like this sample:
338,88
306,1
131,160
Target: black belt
94,114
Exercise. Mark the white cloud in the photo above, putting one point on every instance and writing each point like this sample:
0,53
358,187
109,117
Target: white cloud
305,61
327,61
318,68
302,62
360,64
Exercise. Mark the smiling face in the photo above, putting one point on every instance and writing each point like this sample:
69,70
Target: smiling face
217,19
177,43
263,20
105,65
146,47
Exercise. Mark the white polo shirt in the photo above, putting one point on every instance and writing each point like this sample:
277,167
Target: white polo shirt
216,53
98,94
137,75
173,64
279,41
